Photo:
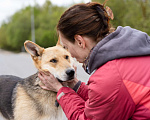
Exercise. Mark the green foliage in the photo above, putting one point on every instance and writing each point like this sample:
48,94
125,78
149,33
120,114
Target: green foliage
18,29
134,13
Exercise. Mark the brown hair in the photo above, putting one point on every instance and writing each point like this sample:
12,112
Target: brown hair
89,19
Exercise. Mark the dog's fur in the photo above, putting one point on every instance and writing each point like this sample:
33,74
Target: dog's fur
24,99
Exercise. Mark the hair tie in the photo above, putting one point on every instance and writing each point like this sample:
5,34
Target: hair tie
101,14
98,8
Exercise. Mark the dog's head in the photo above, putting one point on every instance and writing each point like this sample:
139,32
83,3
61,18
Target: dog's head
55,60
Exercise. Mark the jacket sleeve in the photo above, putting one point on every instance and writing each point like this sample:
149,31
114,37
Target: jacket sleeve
105,101
72,104
83,91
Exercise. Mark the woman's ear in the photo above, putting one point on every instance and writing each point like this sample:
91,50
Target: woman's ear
80,41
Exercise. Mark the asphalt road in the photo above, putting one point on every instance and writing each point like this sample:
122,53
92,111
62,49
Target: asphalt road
21,64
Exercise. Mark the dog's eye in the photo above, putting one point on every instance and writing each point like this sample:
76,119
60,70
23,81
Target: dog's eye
67,57
53,60
65,47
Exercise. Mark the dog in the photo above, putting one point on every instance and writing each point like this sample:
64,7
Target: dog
24,99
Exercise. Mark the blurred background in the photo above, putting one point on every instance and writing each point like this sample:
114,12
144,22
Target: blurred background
36,20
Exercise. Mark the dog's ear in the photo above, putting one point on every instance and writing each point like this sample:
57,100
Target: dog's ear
33,49
59,43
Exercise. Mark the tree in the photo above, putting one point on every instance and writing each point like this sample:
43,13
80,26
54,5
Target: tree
134,13
18,29
45,24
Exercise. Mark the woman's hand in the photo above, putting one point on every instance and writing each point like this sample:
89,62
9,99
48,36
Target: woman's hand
50,82
71,83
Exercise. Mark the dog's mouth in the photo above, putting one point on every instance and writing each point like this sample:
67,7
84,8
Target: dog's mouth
59,80
69,79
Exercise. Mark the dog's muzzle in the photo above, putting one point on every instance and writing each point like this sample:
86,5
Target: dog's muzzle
70,74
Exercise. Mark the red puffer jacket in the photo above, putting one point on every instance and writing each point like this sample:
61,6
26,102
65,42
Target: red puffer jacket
119,90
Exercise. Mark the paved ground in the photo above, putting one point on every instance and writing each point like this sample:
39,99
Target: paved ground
21,64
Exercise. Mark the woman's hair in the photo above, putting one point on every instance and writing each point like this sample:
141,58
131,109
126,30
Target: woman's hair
90,19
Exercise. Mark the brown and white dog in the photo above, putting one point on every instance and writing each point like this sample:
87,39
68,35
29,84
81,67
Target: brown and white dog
24,99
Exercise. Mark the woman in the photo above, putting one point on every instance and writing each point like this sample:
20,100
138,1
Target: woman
119,64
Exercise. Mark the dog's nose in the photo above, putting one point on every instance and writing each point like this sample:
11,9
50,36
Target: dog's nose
70,72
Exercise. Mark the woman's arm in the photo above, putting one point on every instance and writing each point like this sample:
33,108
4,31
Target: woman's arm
80,88
108,98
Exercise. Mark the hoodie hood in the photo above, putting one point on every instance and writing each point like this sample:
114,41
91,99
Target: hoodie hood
124,42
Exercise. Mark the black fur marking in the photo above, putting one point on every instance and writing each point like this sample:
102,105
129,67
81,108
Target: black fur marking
7,84
9,87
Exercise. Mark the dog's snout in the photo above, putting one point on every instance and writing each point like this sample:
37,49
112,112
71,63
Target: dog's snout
70,72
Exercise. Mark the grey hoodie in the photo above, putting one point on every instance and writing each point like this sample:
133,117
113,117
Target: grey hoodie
124,42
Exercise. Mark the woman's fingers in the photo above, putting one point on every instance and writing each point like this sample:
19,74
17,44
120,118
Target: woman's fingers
40,75
75,67
44,87
43,79
49,82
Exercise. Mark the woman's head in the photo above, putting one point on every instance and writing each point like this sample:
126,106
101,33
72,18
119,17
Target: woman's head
90,19
81,27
